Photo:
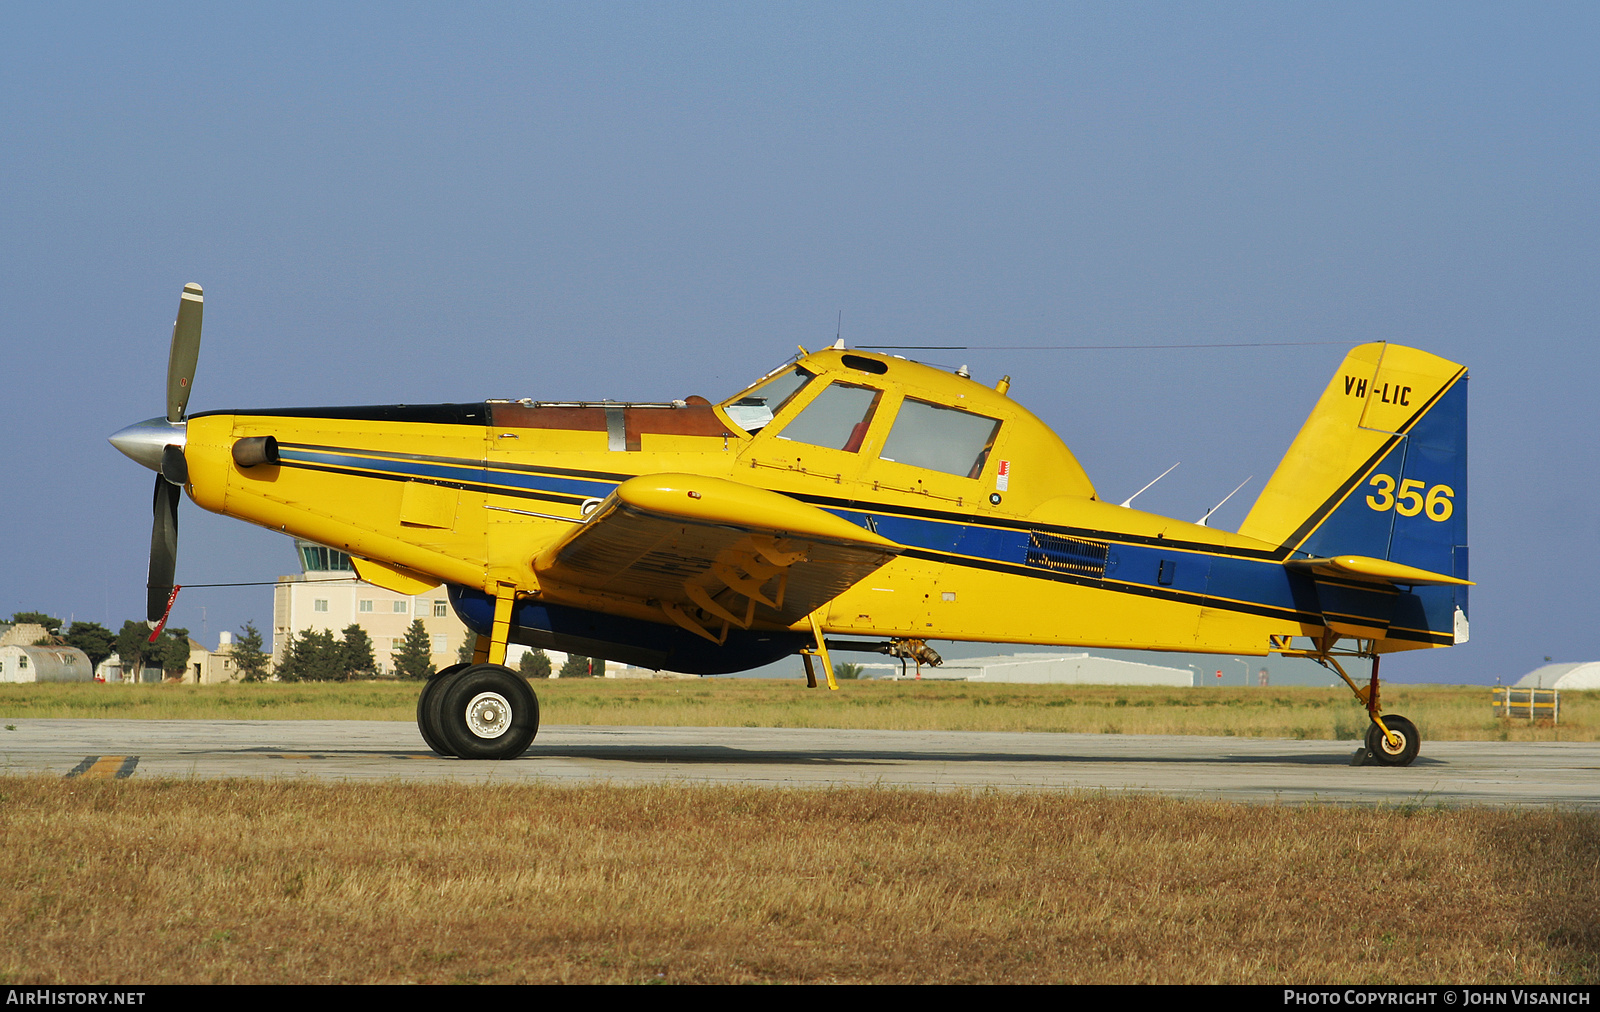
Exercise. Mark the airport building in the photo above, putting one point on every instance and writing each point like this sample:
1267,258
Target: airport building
325,594
205,667
22,634
1064,669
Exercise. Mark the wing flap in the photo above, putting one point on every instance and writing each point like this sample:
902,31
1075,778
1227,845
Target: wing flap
711,552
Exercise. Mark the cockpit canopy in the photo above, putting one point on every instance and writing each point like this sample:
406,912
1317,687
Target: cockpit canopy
936,421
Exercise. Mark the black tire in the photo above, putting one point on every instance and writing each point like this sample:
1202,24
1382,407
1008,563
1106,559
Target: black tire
1385,754
428,724
472,717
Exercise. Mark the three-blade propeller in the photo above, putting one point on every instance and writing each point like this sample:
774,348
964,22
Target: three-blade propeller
159,443
181,360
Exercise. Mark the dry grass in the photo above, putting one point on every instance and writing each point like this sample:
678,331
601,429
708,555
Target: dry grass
263,701
1444,713
206,881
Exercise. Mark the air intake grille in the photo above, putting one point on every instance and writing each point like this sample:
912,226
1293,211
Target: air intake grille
1066,555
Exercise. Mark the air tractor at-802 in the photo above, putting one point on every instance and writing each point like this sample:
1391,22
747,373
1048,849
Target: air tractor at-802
844,500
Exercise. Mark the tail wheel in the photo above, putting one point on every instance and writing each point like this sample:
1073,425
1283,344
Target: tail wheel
1409,744
485,711
427,722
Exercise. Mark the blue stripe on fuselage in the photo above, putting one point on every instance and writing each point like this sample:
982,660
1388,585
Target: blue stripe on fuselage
554,483
476,474
1249,581
410,468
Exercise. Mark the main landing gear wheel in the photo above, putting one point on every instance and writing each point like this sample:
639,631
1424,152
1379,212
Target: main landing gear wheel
426,723
1386,754
485,711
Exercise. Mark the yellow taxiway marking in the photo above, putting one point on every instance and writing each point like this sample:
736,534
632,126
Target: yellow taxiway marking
105,767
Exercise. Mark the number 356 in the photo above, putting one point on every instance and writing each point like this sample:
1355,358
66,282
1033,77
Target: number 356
1438,502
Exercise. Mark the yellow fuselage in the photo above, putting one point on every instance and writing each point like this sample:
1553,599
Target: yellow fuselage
1023,551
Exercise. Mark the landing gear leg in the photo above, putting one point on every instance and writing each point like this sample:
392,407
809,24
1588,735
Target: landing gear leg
482,710
501,630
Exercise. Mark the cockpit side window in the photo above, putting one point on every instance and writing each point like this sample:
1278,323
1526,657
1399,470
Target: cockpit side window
753,409
941,439
837,418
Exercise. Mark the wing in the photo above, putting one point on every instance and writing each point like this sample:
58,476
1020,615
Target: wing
709,552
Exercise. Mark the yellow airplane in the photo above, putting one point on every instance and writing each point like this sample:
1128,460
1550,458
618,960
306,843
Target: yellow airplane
842,494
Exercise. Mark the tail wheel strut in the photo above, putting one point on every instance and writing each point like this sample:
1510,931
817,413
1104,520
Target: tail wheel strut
1391,740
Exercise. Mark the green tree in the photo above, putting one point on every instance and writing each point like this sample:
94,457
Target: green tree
52,625
323,657
414,659
355,654
467,649
841,671
170,652
249,659
311,656
93,639
535,664
286,671
133,641
582,667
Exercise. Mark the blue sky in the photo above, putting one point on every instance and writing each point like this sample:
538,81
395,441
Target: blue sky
429,203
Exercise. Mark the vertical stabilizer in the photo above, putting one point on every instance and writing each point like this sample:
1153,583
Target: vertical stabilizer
1380,467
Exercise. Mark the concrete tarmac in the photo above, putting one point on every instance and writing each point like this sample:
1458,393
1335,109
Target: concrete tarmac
1234,769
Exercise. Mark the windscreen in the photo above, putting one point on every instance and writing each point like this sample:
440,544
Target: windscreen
754,408
940,439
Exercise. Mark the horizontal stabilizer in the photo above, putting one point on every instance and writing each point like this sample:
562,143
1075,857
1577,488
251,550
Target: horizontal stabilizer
1360,567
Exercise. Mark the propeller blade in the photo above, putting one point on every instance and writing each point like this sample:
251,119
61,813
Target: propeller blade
163,547
185,351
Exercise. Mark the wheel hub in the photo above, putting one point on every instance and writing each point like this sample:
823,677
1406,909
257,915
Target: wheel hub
489,715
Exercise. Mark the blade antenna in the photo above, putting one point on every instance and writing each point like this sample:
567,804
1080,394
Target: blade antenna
1230,495
1129,501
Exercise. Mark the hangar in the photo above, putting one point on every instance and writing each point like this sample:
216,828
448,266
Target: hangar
1069,669
44,664
1582,675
